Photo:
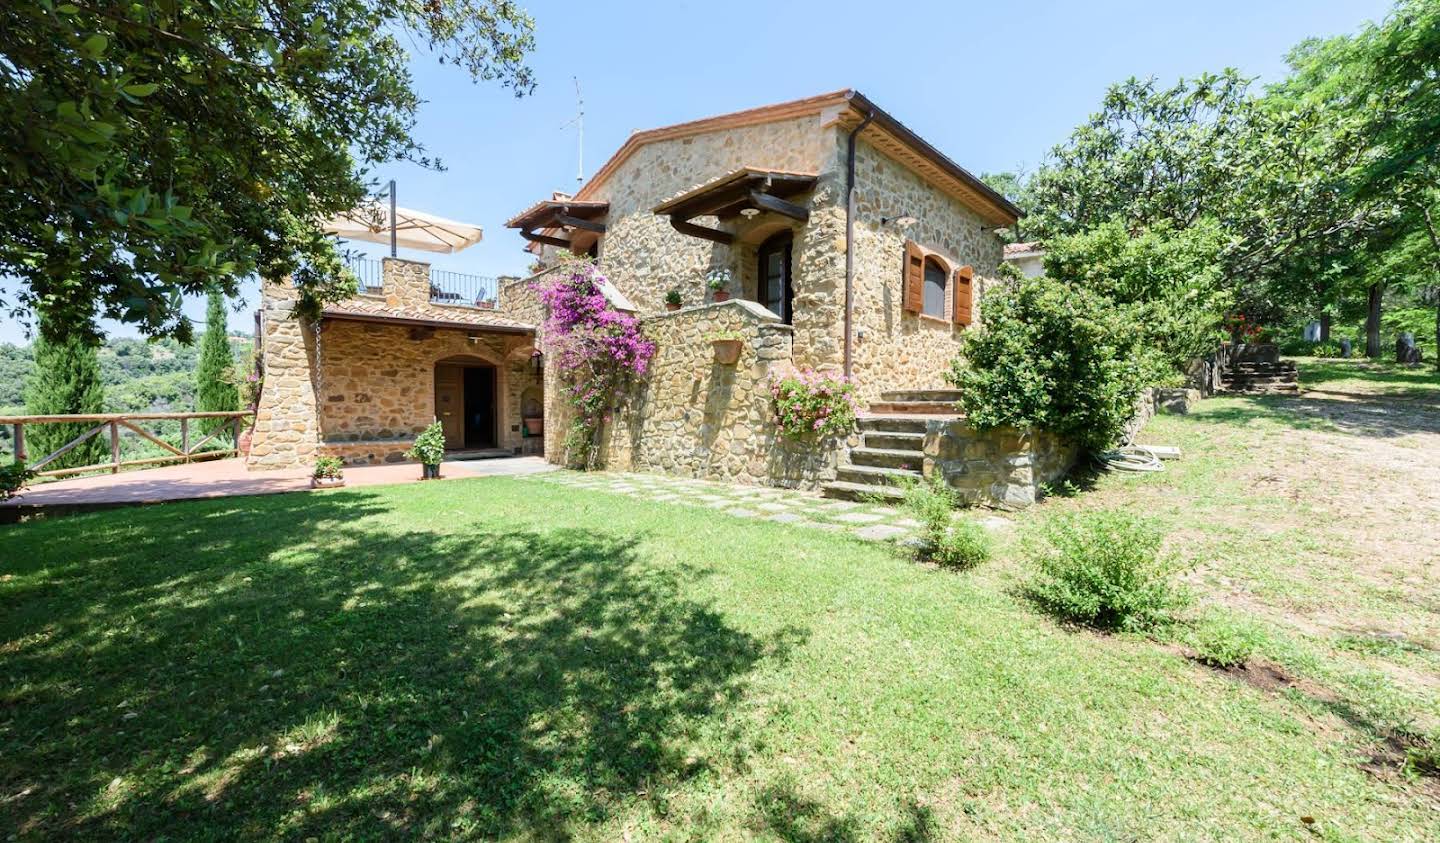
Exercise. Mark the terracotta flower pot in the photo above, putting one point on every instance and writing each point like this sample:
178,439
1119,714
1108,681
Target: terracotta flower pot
534,426
242,444
727,352
326,482
722,295
670,305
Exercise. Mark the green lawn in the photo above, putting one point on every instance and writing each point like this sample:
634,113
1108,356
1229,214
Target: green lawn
511,658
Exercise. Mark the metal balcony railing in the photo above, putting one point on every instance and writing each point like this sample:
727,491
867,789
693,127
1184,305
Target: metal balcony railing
369,275
457,288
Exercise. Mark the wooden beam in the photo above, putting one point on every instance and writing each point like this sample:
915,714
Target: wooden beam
153,438
544,238
576,222
690,228
115,447
102,418
780,206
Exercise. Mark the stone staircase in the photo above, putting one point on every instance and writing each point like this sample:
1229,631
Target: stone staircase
892,441
1261,377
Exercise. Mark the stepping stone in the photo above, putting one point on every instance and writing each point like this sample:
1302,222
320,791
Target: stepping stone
995,522
788,518
909,523
858,517
741,512
773,506
838,506
880,532
711,499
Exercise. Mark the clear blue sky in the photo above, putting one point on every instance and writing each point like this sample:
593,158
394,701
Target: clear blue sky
993,85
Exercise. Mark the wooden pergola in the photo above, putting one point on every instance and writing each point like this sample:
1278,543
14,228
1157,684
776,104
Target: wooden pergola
731,195
559,215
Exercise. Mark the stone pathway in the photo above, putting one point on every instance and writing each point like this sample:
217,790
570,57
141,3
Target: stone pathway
867,521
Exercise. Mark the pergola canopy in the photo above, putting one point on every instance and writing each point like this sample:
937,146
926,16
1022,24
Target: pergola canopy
413,229
559,214
730,195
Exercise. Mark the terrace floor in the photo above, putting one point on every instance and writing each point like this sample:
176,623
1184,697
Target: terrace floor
224,478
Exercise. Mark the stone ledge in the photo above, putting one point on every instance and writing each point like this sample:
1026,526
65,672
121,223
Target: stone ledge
750,308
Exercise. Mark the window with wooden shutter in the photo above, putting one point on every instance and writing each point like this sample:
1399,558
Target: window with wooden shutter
964,295
913,291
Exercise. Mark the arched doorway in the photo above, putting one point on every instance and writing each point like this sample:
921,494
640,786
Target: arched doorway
465,402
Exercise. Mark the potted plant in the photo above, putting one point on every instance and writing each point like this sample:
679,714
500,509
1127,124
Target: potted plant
534,425
329,473
672,300
429,449
727,346
718,280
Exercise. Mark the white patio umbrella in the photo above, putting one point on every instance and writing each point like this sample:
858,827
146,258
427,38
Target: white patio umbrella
372,222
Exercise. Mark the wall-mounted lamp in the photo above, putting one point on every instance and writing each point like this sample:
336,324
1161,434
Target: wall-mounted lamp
900,221
749,213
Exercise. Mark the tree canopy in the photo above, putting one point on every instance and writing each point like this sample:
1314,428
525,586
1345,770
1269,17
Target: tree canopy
150,150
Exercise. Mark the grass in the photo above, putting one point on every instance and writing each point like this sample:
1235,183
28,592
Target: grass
509,658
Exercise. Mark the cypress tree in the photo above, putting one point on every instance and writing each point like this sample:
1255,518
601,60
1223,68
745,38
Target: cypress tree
214,390
65,381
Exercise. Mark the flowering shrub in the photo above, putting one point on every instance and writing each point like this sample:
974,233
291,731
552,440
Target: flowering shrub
593,348
814,404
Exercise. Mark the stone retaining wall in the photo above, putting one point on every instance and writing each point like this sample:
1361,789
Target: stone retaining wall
1004,466
694,417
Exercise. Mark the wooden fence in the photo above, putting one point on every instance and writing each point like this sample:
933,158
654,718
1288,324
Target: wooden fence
113,423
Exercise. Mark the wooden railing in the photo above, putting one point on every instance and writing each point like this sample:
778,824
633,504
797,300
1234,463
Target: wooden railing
113,423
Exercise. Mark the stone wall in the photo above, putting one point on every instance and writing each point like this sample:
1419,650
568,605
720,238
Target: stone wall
1004,466
377,382
894,349
287,428
694,417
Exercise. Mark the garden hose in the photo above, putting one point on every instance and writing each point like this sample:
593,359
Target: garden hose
1130,458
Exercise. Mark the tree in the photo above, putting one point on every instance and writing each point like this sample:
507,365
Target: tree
1169,281
214,387
150,150
64,381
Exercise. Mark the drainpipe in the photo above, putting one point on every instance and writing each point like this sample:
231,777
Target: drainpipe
850,233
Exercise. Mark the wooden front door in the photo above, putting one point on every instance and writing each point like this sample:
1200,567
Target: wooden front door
450,403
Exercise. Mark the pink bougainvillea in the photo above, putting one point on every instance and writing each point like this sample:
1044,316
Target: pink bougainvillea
592,347
810,403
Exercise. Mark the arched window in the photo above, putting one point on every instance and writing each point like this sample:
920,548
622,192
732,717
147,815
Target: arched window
935,278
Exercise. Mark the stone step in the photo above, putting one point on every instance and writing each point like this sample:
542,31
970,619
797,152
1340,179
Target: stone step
1261,370
947,395
1262,388
886,457
861,492
894,440
915,408
900,424
870,475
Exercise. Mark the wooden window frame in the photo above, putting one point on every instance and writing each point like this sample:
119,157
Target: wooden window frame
912,282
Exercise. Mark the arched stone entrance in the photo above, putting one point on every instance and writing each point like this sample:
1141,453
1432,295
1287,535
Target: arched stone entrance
467,402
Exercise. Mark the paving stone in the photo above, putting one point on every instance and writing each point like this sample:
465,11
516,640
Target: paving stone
788,518
838,506
741,512
906,522
773,506
858,517
880,532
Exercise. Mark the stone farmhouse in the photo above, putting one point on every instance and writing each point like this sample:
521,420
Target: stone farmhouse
844,241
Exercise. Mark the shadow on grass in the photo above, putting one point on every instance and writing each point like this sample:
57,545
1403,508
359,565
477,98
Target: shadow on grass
1356,414
277,667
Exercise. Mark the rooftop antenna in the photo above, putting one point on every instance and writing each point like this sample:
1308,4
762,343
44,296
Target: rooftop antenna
579,123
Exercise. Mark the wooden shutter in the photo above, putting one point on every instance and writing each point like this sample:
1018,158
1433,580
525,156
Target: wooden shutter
964,285
912,297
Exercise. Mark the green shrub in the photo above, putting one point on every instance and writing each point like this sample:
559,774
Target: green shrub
329,467
1055,356
13,478
1221,641
944,541
1103,568
809,403
965,545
